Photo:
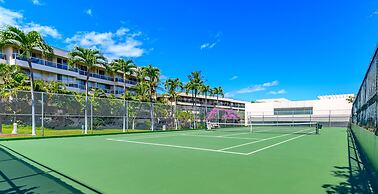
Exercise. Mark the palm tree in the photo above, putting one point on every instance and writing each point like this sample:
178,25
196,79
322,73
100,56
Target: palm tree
205,89
141,89
151,76
128,68
172,86
88,58
26,42
194,84
216,91
111,70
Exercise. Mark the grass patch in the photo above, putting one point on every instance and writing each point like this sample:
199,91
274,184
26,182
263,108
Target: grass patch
24,131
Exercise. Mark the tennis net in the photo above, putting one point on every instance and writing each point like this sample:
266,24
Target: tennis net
295,128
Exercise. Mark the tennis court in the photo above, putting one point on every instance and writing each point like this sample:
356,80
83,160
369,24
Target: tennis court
231,160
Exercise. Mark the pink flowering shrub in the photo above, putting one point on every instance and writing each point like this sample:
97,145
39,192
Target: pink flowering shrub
230,115
227,115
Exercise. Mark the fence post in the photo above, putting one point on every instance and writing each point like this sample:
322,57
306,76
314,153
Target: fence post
92,115
263,118
329,118
42,115
152,117
127,115
124,113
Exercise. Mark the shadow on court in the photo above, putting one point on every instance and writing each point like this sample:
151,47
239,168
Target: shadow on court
17,176
358,176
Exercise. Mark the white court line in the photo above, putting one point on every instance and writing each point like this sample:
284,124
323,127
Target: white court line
233,134
276,144
176,146
155,136
219,136
244,144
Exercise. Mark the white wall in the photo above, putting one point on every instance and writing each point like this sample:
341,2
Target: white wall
320,107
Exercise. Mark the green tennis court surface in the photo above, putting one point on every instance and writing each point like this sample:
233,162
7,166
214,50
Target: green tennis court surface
195,161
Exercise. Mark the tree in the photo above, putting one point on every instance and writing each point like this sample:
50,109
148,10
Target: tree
111,69
205,89
217,91
88,58
27,43
194,84
151,76
128,68
11,80
173,87
350,99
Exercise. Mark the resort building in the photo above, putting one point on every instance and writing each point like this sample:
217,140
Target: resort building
328,109
209,102
56,68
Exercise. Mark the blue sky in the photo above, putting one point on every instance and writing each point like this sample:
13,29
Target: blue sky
296,49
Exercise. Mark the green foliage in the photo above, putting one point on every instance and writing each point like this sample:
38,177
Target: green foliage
185,117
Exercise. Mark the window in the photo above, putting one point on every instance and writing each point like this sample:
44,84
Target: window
293,111
101,72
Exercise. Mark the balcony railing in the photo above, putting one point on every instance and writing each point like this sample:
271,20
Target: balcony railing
3,56
72,69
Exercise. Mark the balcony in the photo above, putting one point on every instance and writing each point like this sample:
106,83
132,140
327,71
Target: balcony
3,56
70,68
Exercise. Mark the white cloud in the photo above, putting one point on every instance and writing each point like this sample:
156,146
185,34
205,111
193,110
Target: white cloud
121,43
122,31
210,45
43,30
252,88
88,12
13,18
234,77
36,2
282,91
163,77
270,84
8,17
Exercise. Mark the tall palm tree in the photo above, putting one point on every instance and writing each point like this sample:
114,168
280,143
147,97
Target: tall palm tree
151,75
111,70
26,42
195,82
217,91
88,58
205,89
128,68
173,87
141,89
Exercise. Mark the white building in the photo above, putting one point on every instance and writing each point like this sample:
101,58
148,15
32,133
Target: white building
56,68
327,109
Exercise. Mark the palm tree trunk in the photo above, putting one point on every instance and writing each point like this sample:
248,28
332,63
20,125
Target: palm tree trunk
174,113
86,104
34,132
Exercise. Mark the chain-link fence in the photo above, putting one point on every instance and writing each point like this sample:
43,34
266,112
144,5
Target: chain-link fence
364,111
61,114
330,118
